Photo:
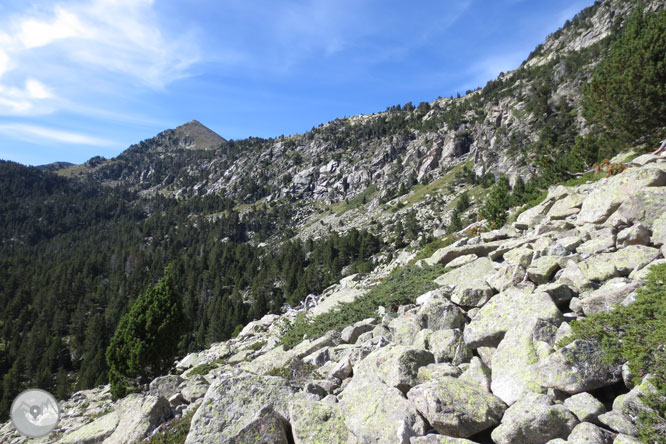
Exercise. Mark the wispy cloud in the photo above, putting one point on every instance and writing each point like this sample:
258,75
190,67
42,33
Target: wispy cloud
46,54
39,134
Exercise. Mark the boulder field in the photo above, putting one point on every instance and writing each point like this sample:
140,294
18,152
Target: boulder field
478,360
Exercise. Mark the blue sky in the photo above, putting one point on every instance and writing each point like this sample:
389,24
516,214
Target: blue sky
86,78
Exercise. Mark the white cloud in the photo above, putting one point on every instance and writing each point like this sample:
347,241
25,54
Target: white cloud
36,90
35,133
35,33
82,49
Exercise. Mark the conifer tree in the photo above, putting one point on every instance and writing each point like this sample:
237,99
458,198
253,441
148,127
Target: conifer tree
146,339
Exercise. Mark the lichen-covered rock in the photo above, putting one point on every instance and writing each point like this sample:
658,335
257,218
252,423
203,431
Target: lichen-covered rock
578,367
231,403
449,346
513,370
626,439
317,422
514,306
165,386
610,294
440,314
266,427
404,329
477,373
351,333
377,413
456,408
534,420
94,432
542,269
619,423
194,387
586,407
137,416
469,282
342,370
637,234
586,433
440,439
437,371
395,365
646,206
608,197
601,244
620,263
573,276
560,293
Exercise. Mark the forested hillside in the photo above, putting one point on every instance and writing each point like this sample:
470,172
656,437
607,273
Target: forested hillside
248,226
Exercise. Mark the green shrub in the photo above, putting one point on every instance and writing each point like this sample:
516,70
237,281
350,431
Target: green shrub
636,334
403,286
204,369
175,431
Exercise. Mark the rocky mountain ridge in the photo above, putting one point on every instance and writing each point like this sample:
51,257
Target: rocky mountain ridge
480,359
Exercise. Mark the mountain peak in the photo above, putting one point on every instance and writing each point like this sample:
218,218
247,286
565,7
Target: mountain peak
195,135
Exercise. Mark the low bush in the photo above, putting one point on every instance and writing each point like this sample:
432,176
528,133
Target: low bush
636,334
403,286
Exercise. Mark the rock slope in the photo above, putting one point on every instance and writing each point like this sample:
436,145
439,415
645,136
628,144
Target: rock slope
475,361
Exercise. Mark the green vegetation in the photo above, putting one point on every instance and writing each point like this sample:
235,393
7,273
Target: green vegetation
356,202
175,431
146,340
204,369
626,97
636,334
432,246
402,287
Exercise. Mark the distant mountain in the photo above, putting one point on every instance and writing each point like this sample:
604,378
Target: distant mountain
55,166
249,225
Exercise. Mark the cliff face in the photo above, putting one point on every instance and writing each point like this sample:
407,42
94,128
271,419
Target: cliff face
481,358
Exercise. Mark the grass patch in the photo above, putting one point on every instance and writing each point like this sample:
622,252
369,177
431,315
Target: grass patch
175,432
585,178
403,286
204,369
430,248
356,202
257,345
636,334
419,192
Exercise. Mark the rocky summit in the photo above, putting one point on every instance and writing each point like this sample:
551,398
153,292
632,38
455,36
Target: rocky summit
478,360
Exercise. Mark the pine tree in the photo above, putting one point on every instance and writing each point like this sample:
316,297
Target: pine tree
146,339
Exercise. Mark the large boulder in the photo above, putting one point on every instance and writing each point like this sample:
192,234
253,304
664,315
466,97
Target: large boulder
534,420
514,306
513,368
607,296
377,413
646,206
231,404
351,333
440,439
395,365
405,328
94,432
620,263
165,386
469,282
440,314
138,415
456,408
586,433
449,346
542,269
608,197
317,422
586,407
578,367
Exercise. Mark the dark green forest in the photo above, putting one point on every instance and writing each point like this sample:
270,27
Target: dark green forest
75,256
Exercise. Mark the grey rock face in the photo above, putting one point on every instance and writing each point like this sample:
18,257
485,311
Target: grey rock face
165,386
534,420
456,408
440,314
317,422
351,333
470,282
231,403
377,413
586,433
511,307
395,365
137,416
449,346
576,368
586,407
